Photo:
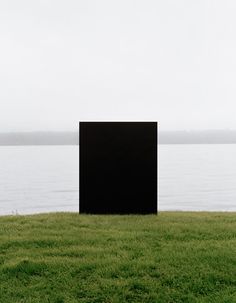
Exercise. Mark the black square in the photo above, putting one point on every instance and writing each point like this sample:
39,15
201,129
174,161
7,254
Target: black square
118,167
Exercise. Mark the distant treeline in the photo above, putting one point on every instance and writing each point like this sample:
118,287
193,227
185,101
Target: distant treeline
39,138
198,137
164,137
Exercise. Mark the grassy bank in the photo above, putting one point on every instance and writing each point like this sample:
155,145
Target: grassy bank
172,257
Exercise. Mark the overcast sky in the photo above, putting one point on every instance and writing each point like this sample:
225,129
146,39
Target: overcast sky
168,61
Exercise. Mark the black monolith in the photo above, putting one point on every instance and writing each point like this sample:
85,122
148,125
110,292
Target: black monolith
118,167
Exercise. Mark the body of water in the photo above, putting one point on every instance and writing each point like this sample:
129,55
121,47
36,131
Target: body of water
36,179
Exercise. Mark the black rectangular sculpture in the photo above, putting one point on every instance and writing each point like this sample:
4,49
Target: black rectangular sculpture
118,167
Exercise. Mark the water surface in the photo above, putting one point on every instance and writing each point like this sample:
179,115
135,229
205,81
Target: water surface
36,179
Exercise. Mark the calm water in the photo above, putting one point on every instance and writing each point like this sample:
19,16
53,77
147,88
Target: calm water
45,178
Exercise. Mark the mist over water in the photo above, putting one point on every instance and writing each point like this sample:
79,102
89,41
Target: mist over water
35,179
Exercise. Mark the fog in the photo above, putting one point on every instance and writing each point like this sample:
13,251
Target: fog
168,61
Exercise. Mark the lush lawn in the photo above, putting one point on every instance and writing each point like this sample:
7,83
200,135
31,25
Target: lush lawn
172,257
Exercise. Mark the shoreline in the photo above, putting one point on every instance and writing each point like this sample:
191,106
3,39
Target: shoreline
122,215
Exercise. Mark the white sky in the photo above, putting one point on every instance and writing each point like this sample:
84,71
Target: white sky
163,60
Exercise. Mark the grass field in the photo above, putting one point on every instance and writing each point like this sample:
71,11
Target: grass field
172,257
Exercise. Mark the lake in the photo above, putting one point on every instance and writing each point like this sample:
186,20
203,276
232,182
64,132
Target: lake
35,179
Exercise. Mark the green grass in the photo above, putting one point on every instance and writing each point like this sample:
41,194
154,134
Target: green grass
172,257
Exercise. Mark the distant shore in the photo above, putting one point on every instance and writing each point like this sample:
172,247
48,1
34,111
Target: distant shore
72,138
